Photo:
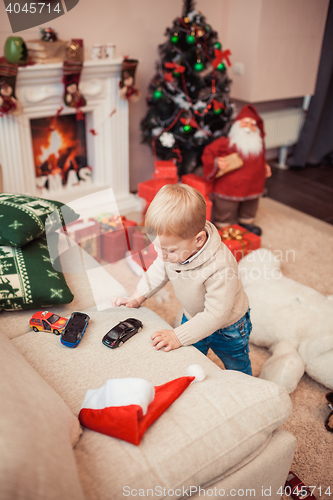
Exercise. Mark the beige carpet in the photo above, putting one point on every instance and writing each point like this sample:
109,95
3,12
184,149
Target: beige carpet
306,247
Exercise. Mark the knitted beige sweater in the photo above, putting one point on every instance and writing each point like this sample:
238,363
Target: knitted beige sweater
208,288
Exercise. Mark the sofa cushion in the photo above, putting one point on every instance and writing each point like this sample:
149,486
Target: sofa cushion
209,429
91,287
25,217
37,432
28,278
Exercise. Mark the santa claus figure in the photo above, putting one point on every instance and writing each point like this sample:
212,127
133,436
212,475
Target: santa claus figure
238,180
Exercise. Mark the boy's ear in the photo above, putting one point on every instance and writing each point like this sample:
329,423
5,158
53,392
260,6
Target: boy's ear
200,238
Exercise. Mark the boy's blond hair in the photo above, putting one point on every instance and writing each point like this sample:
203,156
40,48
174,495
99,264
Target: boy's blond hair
177,210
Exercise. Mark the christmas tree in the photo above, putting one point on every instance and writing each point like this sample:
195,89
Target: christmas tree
188,98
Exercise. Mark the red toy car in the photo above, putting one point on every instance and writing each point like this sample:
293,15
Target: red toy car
45,321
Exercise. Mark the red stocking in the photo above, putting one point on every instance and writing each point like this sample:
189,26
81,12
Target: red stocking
8,101
72,68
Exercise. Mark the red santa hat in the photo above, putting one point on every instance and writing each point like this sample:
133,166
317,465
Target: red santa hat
249,111
125,408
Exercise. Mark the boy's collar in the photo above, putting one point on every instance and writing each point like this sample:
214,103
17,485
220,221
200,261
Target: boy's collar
194,256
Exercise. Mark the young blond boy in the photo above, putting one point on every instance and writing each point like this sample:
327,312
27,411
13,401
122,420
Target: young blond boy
204,275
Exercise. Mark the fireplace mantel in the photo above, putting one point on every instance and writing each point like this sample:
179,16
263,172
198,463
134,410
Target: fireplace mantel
39,89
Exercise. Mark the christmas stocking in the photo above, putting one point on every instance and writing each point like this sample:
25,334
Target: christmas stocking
72,68
124,408
128,90
8,101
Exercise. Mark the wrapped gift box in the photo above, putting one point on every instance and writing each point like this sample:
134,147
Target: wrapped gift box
204,187
46,52
148,189
116,238
165,170
87,235
239,240
143,252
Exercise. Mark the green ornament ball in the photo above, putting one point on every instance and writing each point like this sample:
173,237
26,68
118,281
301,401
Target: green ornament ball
217,45
190,39
175,73
208,27
221,67
187,128
174,38
198,66
15,50
217,111
157,94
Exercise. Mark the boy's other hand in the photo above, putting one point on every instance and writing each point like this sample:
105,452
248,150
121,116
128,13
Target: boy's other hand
125,301
166,339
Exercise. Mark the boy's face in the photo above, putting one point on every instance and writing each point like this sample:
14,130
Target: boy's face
175,249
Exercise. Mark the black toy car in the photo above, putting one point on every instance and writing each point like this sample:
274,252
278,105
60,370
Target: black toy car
74,329
121,332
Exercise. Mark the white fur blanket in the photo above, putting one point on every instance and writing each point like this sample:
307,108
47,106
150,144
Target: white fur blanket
294,321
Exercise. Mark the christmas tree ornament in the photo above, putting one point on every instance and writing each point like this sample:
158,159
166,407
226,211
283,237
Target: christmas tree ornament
217,46
208,28
200,31
15,50
198,65
71,70
157,94
186,20
48,35
128,90
8,101
167,139
174,38
221,67
187,128
190,39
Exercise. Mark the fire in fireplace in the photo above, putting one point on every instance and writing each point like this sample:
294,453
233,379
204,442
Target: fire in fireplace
60,152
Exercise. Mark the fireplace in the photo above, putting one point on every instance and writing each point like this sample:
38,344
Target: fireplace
58,157
60,152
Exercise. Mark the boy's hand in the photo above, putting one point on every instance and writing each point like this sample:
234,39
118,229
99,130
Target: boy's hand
126,301
166,339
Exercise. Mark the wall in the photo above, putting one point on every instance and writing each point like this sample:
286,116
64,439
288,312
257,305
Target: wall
278,41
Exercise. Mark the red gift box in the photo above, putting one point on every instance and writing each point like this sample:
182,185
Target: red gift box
118,240
148,189
165,170
239,240
87,235
209,205
204,187
143,252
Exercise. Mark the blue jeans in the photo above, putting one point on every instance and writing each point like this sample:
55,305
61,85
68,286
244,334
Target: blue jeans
230,344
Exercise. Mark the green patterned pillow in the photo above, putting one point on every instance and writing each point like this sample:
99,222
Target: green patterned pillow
27,278
24,218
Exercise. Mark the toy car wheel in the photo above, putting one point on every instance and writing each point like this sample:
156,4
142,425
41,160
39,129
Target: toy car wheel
56,332
35,329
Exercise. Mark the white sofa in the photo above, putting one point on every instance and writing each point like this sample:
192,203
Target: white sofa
221,437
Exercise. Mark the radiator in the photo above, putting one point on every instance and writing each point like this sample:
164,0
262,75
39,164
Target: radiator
282,127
